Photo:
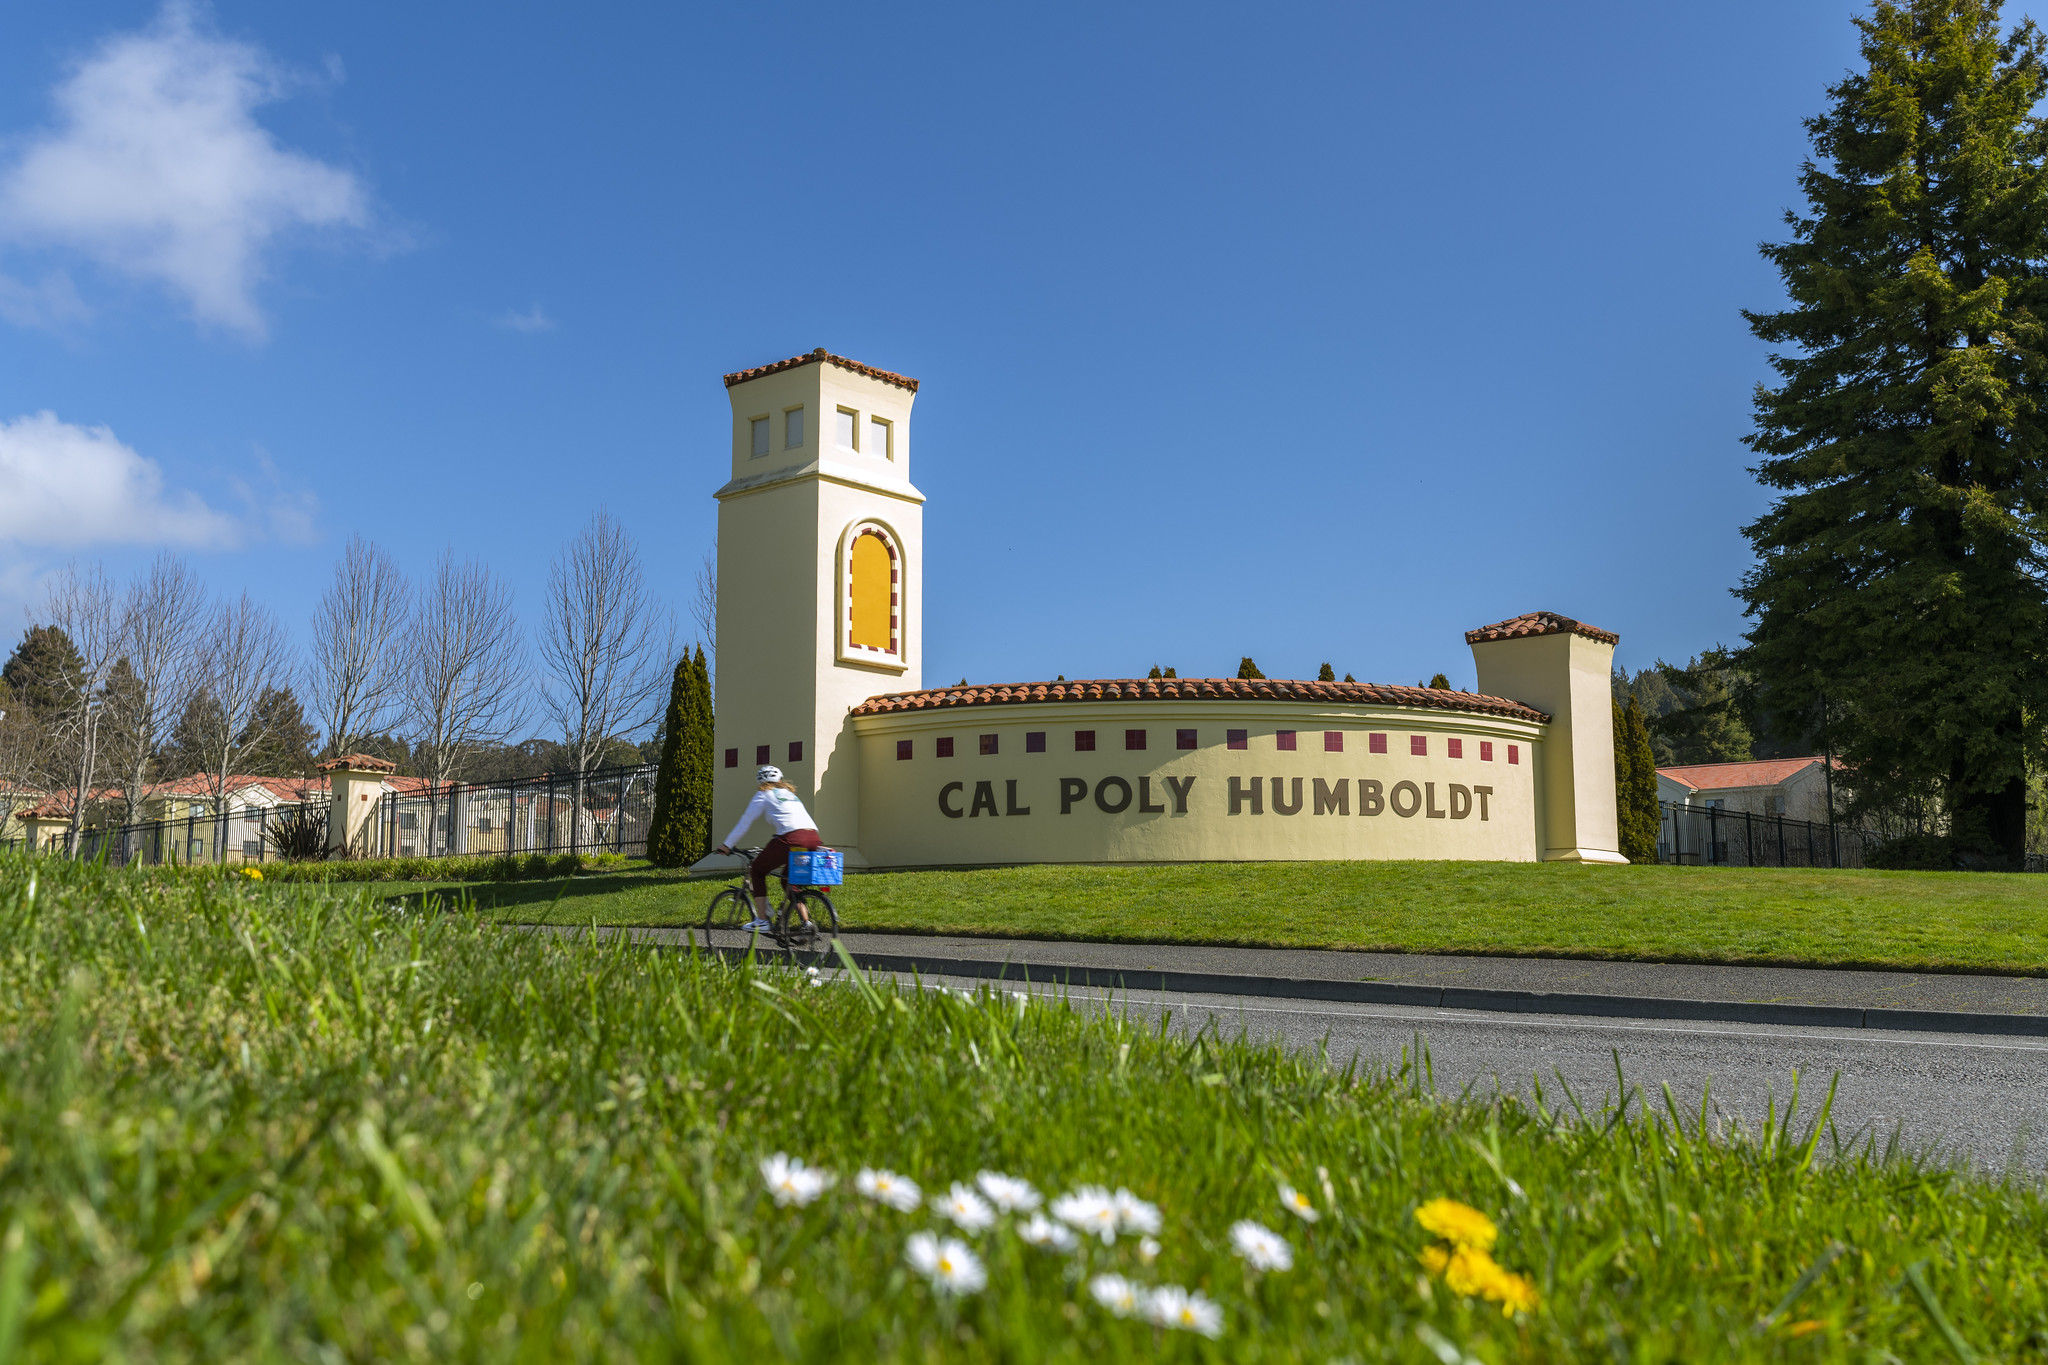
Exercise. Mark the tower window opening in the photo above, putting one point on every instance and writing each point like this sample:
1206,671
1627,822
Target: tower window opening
759,434
792,428
849,429
873,609
878,440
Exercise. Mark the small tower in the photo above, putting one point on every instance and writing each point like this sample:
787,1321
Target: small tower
1561,666
820,562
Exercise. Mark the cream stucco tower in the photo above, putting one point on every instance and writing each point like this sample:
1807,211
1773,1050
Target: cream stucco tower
820,570
1561,666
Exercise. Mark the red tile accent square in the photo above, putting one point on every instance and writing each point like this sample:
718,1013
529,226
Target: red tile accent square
761,752
1134,739
1514,753
1418,745
1183,739
1486,751
902,748
1084,741
944,746
1375,744
1034,741
1456,746
796,751
732,758
1333,741
1283,739
1236,739
988,745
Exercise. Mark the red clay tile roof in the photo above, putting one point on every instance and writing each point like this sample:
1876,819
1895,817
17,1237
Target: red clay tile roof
821,354
358,763
1764,772
1539,623
1197,689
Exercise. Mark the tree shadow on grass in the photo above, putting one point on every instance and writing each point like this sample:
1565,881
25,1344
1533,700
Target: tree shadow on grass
633,898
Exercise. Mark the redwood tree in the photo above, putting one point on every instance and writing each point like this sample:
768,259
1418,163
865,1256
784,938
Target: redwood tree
1898,595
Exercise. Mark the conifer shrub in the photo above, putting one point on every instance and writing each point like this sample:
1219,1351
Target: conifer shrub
681,831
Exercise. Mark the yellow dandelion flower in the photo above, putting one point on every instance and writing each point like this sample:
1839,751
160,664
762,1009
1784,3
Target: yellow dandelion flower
1434,1259
252,874
1515,1293
1459,1224
1472,1273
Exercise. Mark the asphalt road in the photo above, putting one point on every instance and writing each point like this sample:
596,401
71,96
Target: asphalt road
1960,1096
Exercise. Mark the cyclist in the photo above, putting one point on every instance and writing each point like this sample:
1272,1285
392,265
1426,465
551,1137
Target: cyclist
793,827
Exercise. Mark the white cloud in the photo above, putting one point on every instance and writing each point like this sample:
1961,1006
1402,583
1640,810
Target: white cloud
533,320
156,167
68,485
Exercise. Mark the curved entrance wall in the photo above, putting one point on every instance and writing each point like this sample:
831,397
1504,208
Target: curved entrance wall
1150,780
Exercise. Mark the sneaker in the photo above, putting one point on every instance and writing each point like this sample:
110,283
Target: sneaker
756,925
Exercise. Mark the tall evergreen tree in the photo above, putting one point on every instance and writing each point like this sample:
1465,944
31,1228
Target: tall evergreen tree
681,829
1247,669
1326,674
1898,592
1635,785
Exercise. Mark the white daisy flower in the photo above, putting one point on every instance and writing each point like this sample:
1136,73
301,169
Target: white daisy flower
1148,1250
899,1192
1296,1203
1171,1306
1134,1214
967,1210
1125,1298
792,1182
1041,1231
1007,1192
1260,1246
1088,1209
946,1261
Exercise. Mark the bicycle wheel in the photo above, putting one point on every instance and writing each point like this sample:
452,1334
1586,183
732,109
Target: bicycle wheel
824,925
729,909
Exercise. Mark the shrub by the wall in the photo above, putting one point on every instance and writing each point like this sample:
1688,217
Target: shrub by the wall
1913,853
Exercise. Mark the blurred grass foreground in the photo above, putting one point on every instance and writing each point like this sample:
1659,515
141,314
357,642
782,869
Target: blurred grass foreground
246,1121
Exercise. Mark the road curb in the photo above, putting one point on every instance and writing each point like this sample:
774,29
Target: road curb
1428,997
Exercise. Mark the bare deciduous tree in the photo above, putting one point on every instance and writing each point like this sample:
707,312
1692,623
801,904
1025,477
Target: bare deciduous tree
160,620
242,654
606,648
82,604
461,682
356,644
704,609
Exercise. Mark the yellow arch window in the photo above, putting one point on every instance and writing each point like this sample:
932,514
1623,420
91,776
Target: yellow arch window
871,594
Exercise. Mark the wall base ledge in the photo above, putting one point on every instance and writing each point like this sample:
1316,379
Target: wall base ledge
1584,855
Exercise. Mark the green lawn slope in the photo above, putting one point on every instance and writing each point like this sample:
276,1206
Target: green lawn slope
1939,921
251,1122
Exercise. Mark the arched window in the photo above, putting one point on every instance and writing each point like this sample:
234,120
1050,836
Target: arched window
873,626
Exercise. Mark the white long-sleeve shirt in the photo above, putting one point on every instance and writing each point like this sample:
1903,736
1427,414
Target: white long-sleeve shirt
784,811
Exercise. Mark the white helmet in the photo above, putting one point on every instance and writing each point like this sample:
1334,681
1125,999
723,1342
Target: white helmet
767,772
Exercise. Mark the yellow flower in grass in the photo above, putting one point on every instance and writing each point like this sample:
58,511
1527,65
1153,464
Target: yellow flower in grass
1459,1224
252,874
1466,1265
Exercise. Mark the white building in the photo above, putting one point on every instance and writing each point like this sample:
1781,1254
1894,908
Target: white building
1796,788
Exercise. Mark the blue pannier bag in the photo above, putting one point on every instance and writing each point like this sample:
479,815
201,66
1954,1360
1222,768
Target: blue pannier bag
815,867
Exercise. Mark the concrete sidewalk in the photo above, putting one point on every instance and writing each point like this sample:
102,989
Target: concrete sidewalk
1854,999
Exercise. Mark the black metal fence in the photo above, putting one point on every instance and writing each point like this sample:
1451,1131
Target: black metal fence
606,811
1711,836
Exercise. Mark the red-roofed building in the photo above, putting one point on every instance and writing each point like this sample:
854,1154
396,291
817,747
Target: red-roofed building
1796,788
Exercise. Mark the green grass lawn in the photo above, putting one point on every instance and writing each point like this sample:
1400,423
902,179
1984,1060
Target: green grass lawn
244,1122
1953,921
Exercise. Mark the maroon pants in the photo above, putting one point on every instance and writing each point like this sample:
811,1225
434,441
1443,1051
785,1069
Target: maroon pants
777,854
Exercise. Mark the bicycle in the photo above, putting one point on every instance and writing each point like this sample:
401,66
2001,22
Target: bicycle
804,918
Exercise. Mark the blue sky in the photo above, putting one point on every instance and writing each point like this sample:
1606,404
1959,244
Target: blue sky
1310,332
